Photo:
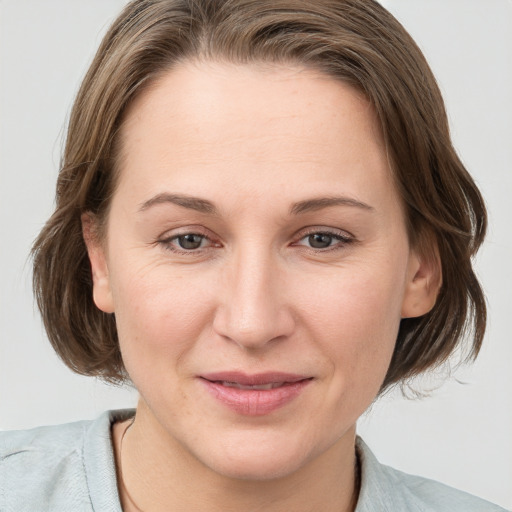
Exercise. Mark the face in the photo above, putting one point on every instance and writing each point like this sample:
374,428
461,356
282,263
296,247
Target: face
257,263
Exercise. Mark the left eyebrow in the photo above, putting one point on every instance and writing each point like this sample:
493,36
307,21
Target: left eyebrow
319,203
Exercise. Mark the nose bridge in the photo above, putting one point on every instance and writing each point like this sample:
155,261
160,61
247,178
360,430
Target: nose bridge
254,310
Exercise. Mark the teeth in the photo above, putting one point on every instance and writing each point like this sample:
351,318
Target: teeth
261,387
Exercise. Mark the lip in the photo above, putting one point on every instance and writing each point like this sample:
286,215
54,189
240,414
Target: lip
254,402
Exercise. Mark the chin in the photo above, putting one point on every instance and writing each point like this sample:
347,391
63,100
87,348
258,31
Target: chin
258,460
258,468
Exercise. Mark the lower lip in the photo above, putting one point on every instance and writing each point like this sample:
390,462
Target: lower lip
255,402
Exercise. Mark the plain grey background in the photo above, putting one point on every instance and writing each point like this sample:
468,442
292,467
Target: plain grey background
461,435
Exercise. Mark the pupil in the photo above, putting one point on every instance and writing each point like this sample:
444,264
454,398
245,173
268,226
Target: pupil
190,241
320,240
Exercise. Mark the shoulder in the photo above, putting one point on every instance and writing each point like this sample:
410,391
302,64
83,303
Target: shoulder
52,468
52,441
429,495
386,489
38,465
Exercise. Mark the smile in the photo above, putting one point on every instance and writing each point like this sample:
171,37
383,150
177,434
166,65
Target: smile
271,385
254,395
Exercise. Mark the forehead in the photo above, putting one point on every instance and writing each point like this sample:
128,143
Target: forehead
198,94
264,124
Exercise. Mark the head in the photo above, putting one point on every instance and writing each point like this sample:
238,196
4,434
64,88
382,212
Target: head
354,43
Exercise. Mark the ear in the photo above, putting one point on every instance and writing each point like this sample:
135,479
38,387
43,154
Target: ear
102,293
424,280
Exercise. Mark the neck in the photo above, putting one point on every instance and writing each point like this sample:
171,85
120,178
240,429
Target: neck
156,473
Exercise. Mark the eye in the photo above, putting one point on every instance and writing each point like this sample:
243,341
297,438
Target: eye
321,240
190,241
186,243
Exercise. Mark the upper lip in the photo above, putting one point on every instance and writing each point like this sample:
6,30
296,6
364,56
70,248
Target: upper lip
256,379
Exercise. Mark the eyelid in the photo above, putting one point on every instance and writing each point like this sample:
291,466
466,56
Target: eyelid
185,230
311,230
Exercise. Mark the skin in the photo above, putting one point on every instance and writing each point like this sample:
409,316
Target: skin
255,296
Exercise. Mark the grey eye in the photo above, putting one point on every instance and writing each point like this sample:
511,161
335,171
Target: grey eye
320,240
190,241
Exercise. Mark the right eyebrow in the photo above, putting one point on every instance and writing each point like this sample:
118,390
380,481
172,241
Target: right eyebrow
190,202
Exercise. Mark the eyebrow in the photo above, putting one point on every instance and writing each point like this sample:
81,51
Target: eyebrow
311,205
192,203
207,207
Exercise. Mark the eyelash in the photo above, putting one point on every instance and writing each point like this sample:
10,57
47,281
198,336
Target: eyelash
342,241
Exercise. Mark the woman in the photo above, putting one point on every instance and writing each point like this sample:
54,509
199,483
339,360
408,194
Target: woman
262,224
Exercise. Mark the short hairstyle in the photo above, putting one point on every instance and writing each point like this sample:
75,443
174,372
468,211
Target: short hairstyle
355,41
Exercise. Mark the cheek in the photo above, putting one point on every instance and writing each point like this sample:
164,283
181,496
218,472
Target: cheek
355,319
159,316
354,303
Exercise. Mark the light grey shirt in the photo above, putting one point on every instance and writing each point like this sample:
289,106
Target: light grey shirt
71,468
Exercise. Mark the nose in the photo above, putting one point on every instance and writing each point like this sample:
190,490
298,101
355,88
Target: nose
253,309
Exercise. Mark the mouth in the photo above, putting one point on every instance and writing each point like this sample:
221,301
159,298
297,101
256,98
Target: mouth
255,395
261,387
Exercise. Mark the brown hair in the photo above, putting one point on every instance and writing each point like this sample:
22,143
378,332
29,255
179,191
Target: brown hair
355,41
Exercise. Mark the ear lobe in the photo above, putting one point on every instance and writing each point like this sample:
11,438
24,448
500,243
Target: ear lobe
424,280
102,293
